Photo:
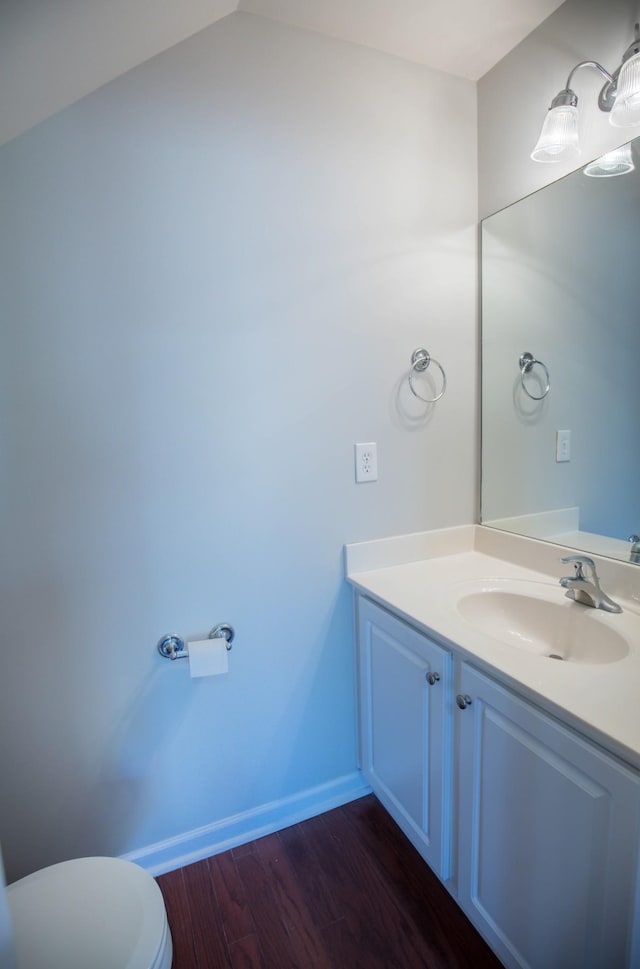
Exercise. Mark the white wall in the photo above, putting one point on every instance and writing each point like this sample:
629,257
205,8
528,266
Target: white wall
53,53
214,271
514,96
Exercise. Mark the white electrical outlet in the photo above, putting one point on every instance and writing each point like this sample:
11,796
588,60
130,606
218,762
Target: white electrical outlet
563,446
366,462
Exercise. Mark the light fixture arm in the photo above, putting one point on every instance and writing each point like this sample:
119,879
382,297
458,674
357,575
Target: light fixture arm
608,77
607,95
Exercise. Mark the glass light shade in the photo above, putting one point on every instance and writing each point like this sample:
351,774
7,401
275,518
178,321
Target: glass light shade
559,136
616,162
626,109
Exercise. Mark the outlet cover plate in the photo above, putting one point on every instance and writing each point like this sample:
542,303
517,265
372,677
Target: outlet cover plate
366,456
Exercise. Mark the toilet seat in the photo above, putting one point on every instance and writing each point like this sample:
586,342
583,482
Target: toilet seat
90,913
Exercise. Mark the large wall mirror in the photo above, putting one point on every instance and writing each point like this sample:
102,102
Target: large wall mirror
561,436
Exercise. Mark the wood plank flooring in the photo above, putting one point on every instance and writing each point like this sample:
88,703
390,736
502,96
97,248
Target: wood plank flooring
345,890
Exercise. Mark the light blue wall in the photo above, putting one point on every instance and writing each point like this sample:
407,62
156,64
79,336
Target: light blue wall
213,273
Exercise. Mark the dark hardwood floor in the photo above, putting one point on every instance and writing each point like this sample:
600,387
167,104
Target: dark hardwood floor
345,890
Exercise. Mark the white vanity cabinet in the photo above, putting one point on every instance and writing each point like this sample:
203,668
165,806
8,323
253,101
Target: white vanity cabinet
548,835
405,720
534,830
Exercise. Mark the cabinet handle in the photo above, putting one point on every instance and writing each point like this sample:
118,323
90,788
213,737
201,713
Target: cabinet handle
463,700
432,678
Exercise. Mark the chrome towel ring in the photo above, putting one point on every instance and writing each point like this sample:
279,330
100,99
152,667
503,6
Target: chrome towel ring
526,363
420,360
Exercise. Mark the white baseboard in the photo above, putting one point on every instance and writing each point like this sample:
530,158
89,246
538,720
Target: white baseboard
230,832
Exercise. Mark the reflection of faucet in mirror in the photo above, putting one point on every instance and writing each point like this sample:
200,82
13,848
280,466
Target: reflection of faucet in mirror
586,588
634,554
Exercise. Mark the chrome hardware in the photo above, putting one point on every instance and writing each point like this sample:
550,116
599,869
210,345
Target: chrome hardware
526,363
420,360
634,554
607,96
174,647
224,631
463,700
432,678
586,588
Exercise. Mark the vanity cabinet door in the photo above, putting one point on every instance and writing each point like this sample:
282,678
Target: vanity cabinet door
548,835
404,679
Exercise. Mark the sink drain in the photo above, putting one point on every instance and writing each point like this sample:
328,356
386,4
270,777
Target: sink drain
555,656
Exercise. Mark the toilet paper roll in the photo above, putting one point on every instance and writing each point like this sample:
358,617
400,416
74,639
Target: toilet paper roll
208,657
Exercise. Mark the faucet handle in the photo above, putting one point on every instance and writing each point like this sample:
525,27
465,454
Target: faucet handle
579,558
580,561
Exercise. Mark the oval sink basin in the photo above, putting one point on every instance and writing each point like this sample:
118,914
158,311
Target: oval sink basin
560,630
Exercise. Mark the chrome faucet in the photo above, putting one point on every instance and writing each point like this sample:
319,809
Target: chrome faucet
634,554
586,588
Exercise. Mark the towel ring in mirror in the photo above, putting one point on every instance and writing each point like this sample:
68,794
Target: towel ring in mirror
526,363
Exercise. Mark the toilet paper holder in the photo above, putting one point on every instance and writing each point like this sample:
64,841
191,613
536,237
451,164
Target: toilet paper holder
174,647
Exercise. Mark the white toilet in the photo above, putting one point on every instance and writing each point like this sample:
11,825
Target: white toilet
90,913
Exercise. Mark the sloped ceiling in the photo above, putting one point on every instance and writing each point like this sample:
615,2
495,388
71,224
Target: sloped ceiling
463,37
54,53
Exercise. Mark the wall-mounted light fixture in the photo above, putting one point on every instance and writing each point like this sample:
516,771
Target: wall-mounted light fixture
616,162
620,96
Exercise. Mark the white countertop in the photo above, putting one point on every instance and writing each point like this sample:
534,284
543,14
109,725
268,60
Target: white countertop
601,700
